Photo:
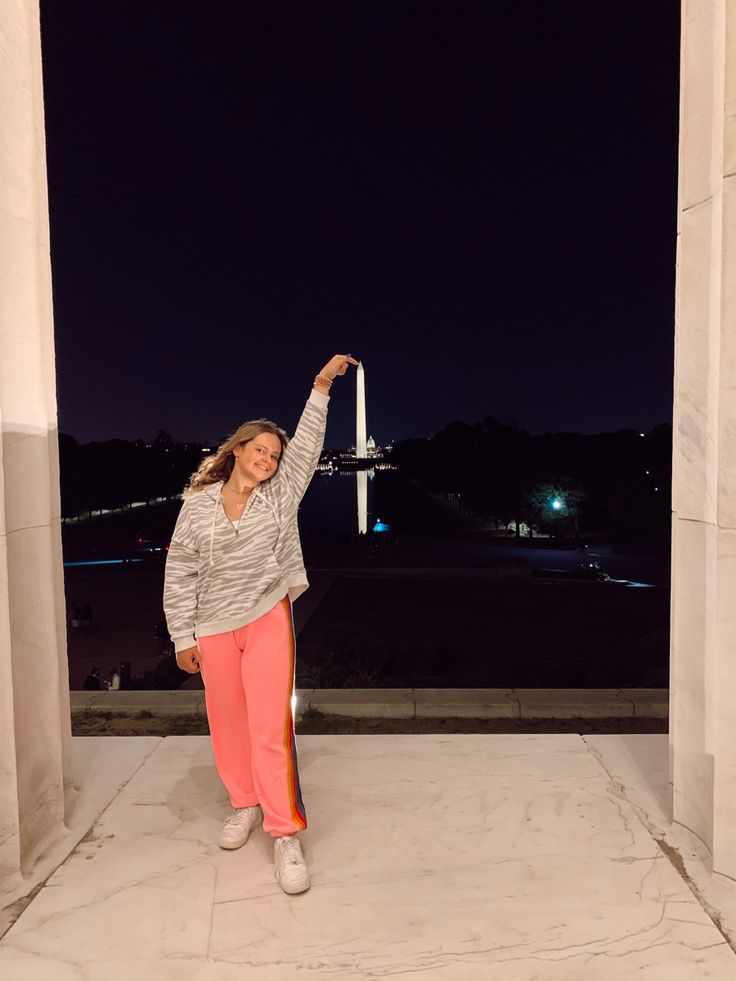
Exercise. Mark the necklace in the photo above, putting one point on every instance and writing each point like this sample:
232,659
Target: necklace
239,505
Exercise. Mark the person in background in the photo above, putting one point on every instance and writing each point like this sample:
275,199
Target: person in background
233,569
92,681
114,682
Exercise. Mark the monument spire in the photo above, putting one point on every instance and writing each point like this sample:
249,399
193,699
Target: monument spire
361,450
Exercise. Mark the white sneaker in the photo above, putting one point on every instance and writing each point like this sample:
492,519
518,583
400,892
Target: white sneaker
291,869
239,824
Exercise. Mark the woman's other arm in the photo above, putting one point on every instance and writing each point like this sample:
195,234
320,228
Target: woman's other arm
180,581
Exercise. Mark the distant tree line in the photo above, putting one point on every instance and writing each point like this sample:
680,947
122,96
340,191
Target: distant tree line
565,483
617,483
117,472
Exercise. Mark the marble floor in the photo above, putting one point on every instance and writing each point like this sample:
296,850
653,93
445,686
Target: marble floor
509,857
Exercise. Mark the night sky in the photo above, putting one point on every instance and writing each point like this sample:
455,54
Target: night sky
477,199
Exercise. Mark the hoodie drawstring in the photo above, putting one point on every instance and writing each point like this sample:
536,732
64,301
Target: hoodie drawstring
212,530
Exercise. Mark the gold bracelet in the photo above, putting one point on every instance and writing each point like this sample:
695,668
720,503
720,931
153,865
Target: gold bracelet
322,381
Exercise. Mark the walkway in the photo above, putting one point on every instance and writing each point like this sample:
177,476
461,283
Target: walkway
439,857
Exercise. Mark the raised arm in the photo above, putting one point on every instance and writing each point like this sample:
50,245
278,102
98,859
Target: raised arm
334,367
301,456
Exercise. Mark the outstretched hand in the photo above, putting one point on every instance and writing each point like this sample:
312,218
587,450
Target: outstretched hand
337,366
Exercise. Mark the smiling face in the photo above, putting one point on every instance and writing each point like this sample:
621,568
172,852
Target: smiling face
258,459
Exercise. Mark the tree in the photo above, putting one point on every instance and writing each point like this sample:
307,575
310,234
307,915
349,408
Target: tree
555,506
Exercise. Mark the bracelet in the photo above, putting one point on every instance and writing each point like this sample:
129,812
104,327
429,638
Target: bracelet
321,381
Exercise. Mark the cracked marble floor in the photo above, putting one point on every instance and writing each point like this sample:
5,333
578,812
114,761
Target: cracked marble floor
509,857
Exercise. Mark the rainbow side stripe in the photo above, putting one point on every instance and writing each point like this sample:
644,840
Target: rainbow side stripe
296,804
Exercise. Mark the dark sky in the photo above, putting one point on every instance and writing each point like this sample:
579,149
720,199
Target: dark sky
476,198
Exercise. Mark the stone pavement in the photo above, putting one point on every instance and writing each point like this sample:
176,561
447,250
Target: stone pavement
442,857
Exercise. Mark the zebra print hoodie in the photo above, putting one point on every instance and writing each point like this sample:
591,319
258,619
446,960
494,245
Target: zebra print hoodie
221,575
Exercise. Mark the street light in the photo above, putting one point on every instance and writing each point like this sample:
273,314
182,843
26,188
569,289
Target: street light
556,504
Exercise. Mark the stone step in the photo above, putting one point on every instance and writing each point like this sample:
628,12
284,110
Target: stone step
408,703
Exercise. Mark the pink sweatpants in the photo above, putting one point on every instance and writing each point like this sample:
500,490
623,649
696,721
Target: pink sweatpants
249,681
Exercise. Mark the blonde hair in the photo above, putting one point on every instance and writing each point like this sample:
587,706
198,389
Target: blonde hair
218,466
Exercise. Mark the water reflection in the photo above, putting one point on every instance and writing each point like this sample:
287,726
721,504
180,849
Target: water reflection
362,476
340,502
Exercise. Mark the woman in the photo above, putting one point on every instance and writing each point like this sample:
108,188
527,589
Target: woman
233,569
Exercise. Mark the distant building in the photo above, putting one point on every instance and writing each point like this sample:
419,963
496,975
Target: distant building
332,460
372,451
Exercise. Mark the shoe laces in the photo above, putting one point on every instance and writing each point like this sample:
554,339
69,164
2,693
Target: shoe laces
238,815
290,851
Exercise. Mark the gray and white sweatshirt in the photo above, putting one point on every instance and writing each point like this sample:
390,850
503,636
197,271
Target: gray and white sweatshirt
222,575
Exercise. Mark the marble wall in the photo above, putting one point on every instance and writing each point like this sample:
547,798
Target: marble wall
34,699
703,653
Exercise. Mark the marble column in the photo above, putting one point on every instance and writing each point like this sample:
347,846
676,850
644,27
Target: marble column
703,651
34,692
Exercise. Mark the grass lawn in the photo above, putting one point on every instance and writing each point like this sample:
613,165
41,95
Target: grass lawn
495,634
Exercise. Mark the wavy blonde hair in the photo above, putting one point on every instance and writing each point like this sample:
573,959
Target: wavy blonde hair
218,466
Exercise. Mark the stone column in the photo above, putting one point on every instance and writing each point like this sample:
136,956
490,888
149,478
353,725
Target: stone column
703,653
34,697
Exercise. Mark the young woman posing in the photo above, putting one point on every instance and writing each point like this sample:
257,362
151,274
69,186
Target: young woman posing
233,569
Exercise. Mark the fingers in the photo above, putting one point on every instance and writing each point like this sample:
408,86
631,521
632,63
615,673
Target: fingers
343,360
338,365
188,660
